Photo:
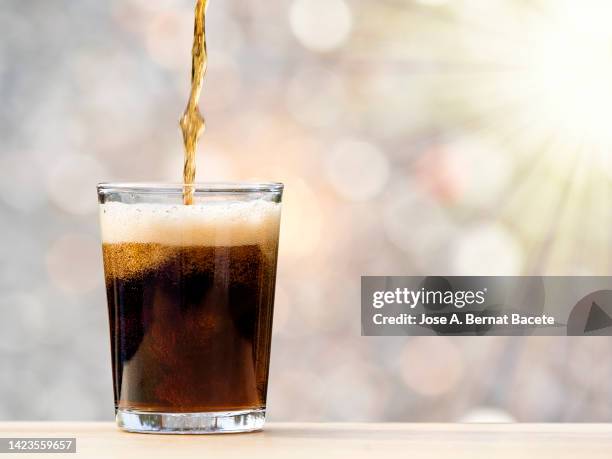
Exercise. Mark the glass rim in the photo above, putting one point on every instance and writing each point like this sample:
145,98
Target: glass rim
176,188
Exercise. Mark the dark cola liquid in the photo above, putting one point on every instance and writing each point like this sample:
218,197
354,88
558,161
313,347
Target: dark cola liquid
190,326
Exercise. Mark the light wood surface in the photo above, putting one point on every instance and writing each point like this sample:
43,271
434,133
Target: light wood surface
354,441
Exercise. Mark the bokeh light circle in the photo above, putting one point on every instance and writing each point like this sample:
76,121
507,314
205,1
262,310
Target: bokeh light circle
320,25
22,184
357,170
316,97
27,316
72,180
165,34
488,249
432,365
418,225
300,231
73,263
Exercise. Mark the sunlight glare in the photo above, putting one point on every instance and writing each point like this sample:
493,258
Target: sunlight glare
571,72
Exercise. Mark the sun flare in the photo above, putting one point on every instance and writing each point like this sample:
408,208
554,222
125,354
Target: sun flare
534,77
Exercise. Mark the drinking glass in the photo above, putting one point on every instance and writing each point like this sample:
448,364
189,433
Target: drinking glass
190,292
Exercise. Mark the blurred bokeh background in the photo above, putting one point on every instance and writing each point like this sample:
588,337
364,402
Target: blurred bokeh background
414,137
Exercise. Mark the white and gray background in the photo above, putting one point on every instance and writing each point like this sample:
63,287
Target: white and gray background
375,115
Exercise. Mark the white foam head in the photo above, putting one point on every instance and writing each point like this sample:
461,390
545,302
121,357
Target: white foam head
202,224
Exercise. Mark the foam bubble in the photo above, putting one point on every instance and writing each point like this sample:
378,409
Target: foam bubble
227,224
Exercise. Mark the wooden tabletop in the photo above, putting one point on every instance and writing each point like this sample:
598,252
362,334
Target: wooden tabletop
354,441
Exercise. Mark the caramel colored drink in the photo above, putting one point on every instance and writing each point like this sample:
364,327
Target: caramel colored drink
190,299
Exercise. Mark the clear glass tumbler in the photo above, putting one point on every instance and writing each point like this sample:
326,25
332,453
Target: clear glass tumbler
190,293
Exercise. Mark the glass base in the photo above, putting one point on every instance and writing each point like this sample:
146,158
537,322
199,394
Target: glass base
191,423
